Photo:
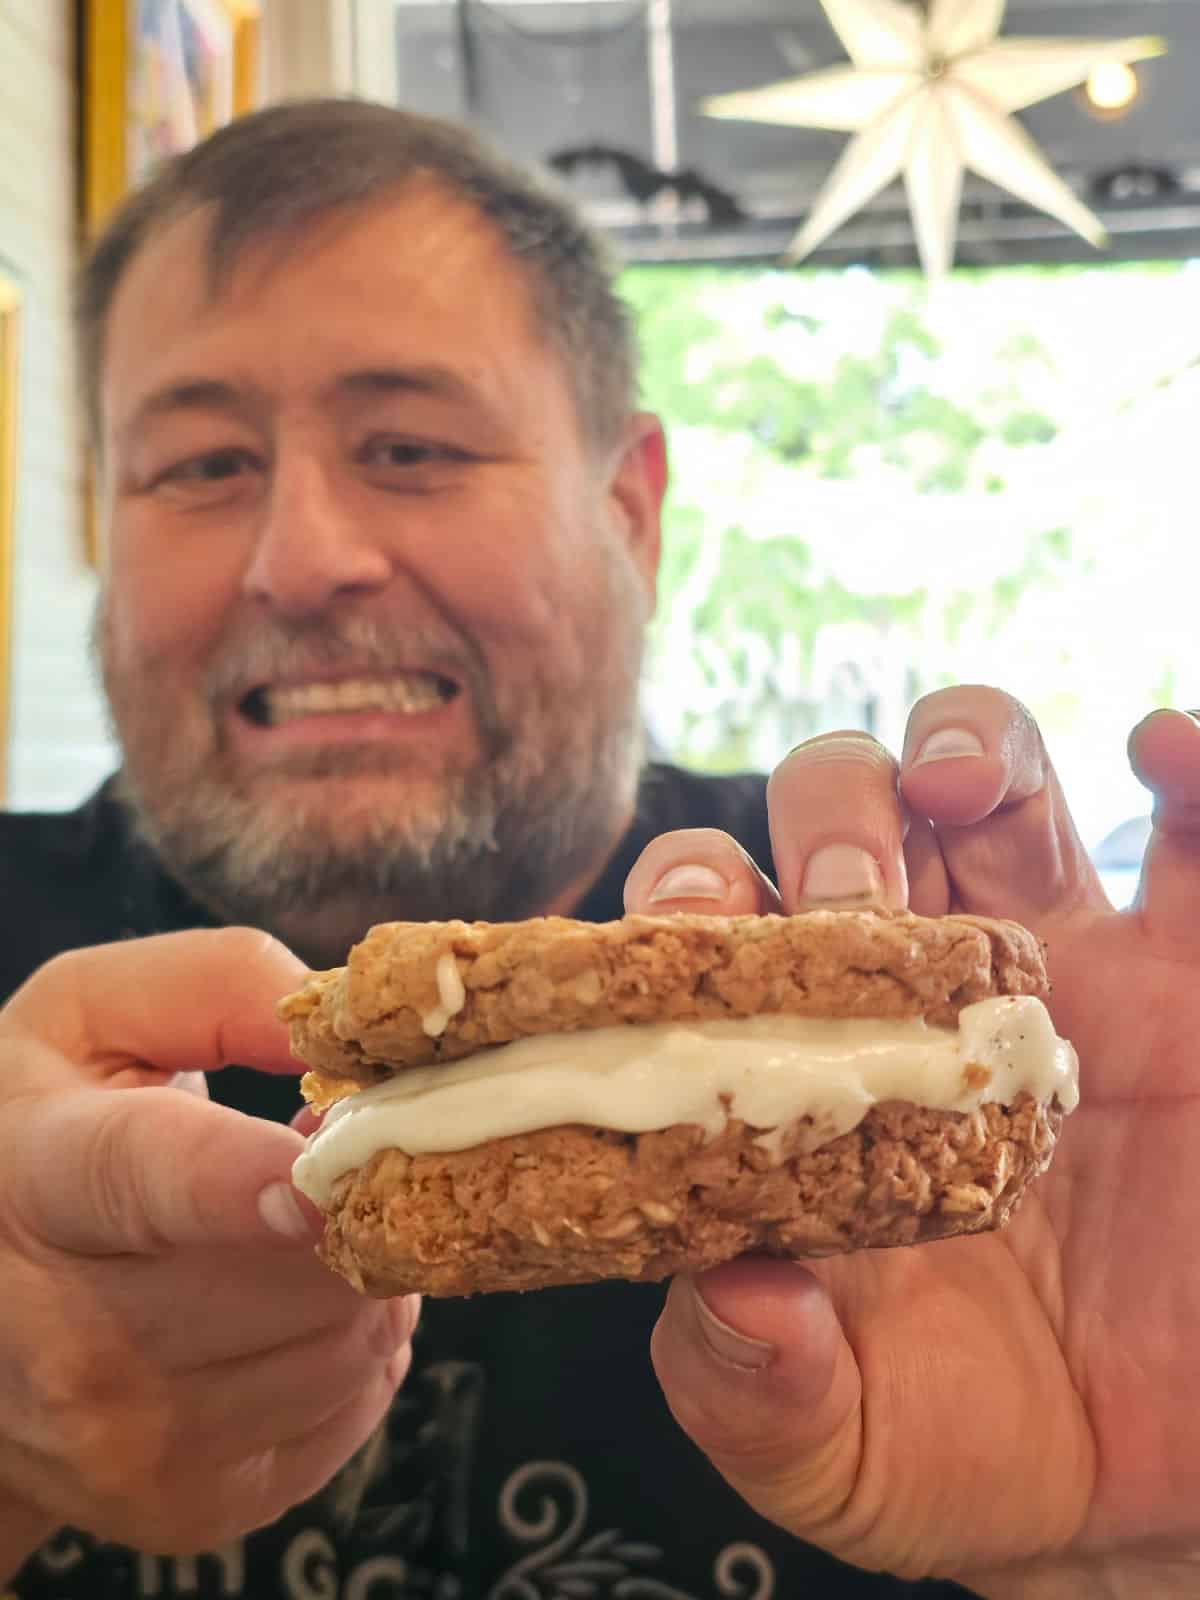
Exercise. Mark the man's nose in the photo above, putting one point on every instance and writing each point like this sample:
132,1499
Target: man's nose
314,541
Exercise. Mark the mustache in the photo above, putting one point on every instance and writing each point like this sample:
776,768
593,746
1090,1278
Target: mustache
275,648
271,648
251,653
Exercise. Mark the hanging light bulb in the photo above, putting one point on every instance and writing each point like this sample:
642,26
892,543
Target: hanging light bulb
930,91
1111,87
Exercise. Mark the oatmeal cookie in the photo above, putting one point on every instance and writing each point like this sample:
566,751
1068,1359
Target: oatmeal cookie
573,1204
416,993
438,1007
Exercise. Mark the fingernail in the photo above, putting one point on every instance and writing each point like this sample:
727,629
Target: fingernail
842,874
726,1344
947,743
1195,715
189,1083
689,881
280,1210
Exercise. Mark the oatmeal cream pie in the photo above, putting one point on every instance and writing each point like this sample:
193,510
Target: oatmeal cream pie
509,1106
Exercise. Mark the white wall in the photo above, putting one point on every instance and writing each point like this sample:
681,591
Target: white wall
58,747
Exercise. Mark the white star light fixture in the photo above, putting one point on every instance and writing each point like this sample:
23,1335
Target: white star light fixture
929,92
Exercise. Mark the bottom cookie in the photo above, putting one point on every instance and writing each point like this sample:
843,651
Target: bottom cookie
575,1204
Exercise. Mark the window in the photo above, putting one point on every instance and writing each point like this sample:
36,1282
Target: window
879,487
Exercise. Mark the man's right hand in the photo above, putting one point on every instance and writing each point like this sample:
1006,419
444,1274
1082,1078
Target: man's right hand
175,1365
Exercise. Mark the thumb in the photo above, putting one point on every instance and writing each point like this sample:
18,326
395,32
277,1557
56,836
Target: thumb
756,1370
103,1174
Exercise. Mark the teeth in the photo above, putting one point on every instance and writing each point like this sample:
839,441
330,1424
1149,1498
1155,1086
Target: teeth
407,695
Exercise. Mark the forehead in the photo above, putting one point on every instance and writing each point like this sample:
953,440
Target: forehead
420,275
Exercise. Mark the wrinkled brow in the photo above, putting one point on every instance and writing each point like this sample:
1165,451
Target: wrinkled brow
434,380
190,394
213,394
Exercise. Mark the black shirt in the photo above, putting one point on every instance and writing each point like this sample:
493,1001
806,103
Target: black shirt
530,1454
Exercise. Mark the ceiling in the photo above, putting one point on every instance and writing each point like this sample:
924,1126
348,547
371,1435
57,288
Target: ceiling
546,77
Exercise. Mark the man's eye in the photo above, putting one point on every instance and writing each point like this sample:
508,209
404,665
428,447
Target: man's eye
408,453
214,467
206,480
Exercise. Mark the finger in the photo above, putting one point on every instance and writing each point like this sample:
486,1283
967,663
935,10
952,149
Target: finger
112,1174
146,1009
306,1121
834,1400
837,826
974,763
700,870
928,881
254,1298
150,1439
251,1404
1164,752
777,1412
208,1504
303,1466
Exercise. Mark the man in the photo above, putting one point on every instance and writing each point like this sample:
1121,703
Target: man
383,540
383,535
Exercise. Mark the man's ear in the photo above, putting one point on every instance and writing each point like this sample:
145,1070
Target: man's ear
637,487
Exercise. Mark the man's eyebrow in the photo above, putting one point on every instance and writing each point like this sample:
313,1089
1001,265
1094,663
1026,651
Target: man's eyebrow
212,394
188,394
438,381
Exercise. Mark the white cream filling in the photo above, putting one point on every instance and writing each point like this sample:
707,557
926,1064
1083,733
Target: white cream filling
452,996
765,1071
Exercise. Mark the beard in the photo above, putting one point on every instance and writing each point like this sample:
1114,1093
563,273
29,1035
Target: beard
323,843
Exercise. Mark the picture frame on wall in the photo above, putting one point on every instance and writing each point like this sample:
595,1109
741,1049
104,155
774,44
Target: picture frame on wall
10,380
158,75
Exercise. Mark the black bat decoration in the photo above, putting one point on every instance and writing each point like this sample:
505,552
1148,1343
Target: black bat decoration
642,181
1134,181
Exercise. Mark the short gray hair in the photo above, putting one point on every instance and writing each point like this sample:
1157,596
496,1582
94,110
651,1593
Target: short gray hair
280,169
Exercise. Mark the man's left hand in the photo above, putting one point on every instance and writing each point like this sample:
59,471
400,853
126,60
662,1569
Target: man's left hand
1020,1410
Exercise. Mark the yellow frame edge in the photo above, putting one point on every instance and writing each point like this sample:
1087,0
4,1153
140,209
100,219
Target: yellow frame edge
104,25
10,401
106,61
105,57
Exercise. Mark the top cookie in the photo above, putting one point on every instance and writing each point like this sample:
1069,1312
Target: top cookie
414,993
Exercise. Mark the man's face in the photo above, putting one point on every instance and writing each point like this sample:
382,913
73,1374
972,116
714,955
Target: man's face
372,623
